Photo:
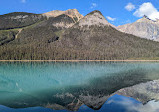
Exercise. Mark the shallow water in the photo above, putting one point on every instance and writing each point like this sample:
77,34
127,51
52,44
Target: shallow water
32,84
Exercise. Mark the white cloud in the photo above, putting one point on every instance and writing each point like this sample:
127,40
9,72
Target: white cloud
110,18
93,5
147,9
151,106
130,7
23,1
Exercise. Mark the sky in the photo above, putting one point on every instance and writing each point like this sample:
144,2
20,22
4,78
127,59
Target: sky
117,12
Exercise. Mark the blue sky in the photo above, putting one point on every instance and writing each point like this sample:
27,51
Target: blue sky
115,11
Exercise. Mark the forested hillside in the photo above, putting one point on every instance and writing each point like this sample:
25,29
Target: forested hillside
19,20
92,38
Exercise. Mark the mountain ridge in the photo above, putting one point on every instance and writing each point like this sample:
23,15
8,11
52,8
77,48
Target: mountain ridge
144,28
93,18
91,38
73,13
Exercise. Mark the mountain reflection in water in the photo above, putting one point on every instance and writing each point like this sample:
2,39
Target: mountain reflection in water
70,85
115,103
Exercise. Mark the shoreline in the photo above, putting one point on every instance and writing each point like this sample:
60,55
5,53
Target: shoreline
79,60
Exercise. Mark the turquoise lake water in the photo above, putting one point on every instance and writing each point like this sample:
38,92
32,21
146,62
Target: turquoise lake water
33,84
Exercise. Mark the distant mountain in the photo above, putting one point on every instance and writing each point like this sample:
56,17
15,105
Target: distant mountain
73,13
62,38
144,27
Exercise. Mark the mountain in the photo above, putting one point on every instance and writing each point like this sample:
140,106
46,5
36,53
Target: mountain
34,24
19,20
91,38
144,27
61,38
93,18
73,13
44,32
23,19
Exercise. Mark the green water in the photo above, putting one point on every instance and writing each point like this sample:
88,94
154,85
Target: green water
29,84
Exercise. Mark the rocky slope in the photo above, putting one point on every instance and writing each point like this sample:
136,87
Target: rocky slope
143,27
93,18
73,13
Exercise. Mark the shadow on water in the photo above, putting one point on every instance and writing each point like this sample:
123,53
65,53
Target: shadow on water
105,86
110,84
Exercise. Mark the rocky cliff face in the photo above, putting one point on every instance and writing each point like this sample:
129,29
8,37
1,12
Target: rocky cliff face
73,13
93,18
143,27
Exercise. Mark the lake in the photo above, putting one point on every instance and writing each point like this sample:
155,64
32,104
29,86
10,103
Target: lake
69,85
